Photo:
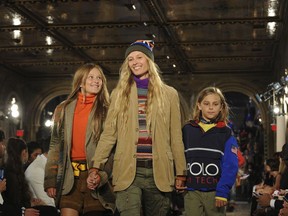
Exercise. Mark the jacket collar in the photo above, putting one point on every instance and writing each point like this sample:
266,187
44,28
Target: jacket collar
219,124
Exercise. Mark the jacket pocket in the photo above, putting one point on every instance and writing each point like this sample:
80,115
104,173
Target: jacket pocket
170,171
116,167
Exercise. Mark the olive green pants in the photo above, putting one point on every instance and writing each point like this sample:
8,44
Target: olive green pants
143,195
199,203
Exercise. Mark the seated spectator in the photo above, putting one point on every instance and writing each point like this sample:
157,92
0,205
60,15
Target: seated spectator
34,149
272,201
34,175
17,199
282,170
271,167
273,177
284,210
2,147
2,179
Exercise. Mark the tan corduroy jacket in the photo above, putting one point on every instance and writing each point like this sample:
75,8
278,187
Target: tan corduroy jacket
167,145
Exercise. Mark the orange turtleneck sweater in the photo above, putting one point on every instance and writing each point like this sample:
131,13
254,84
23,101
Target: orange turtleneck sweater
80,121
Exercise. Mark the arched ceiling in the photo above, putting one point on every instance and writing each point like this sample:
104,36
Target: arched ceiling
197,37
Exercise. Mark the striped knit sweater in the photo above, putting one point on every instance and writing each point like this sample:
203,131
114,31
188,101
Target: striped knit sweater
144,146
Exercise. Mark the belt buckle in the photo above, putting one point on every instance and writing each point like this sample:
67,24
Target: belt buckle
149,163
145,163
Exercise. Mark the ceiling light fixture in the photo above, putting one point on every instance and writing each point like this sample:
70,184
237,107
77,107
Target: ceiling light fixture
49,51
151,36
131,6
50,19
16,20
272,8
49,40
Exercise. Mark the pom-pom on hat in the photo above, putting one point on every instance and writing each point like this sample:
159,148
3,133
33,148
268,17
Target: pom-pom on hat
145,46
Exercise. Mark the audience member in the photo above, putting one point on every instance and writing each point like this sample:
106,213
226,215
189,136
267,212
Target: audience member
272,202
2,179
34,149
271,167
35,177
17,198
284,210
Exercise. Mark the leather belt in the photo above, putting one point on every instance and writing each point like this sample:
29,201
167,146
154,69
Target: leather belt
145,163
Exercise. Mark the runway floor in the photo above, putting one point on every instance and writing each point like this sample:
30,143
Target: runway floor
242,208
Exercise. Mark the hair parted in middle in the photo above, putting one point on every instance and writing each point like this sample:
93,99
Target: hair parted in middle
100,105
123,90
224,113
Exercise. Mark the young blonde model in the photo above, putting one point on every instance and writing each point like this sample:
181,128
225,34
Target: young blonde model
211,154
78,123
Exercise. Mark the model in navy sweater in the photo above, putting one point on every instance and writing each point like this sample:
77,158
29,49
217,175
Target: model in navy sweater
211,155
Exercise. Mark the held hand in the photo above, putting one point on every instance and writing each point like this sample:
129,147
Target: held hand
37,202
51,192
283,212
282,192
93,180
220,203
264,200
31,212
180,184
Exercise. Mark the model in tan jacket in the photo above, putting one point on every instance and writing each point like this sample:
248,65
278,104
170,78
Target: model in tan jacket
168,149
121,130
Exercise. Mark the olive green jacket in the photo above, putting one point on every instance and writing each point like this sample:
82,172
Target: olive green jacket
59,172
167,145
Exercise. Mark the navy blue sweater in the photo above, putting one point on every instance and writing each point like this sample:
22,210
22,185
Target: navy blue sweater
211,156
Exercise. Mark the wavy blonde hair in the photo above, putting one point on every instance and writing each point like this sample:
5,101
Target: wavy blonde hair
123,89
224,113
100,105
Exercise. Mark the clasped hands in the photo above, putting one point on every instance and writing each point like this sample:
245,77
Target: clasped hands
180,184
93,179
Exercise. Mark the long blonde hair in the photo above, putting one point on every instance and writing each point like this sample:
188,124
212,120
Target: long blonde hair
123,89
100,105
224,113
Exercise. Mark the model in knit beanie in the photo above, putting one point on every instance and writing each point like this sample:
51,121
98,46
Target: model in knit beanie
144,121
